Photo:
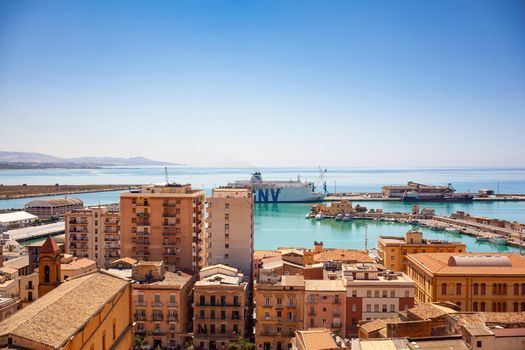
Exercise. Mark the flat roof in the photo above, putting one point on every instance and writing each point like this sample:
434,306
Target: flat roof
15,216
325,285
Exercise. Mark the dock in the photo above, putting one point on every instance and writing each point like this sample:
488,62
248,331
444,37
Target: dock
379,197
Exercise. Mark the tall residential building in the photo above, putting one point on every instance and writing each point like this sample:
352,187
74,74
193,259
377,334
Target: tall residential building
84,313
230,228
161,305
279,310
372,294
220,309
94,233
473,281
164,223
325,305
393,250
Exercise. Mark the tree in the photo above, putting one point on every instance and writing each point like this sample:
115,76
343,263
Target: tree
241,344
139,342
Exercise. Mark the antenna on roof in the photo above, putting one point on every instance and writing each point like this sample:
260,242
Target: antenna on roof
166,174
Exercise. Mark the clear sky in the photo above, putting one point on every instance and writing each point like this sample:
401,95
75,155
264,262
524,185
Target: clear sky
266,83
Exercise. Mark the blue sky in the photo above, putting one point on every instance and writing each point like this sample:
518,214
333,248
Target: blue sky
266,83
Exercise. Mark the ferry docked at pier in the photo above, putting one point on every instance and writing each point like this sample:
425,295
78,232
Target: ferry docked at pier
280,191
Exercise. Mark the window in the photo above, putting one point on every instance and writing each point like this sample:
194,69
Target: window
114,329
392,308
444,288
226,205
479,343
458,288
156,298
104,341
223,328
376,294
368,293
407,293
354,308
311,298
376,308
475,289
226,216
385,294
516,289
279,301
475,306
354,293
266,301
172,299
393,294
483,289
482,306
368,308
383,309
212,300
47,272
202,300
223,315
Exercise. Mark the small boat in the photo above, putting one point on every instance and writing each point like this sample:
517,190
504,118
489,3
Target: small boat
498,240
319,216
347,217
451,230
339,217
481,238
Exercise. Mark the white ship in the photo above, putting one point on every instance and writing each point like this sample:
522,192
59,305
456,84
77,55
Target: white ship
279,191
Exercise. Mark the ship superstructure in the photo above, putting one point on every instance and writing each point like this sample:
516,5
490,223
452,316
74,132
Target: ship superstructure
280,191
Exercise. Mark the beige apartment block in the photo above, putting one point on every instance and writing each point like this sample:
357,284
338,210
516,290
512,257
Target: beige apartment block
164,223
94,233
220,309
230,228
161,305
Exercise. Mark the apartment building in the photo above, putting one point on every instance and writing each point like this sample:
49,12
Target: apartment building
325,305
94,233
279,310
230,228
393,250
373,294
55,207
164,223
161,305
473,281
220,309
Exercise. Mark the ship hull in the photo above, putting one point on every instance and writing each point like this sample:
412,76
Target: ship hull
285,195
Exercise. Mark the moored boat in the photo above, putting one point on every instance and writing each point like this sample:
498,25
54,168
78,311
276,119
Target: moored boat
319,216
481,238
498,240
339,217
348,217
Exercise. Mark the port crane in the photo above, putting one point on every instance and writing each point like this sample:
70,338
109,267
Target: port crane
321,178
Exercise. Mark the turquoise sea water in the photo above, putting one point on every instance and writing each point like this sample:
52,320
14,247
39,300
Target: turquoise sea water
284,224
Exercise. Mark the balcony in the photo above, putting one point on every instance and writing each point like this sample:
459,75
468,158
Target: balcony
140,317
142,234
169,234
157,317
143,215
172,317
30,286
140,331
140,303
158,332
311,313
156,304
169,215
171,304
336,325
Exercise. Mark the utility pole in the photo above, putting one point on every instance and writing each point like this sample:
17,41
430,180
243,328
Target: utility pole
366,237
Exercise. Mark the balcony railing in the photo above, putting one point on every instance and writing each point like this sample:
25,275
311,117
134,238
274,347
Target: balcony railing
157,317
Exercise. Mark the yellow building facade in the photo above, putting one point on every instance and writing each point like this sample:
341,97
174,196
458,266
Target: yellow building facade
279,312
393,250
101,318
473,281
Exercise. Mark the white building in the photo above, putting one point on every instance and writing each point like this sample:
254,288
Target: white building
372,294
16,218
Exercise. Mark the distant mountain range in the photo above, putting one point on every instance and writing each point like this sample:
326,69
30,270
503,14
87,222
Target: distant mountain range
30,160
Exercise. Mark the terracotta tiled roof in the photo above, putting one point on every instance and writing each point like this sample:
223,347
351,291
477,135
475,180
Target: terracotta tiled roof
438,263
316,339
344,255
78,264
261,254
378,324
430,311
49,246
125,260
54,318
